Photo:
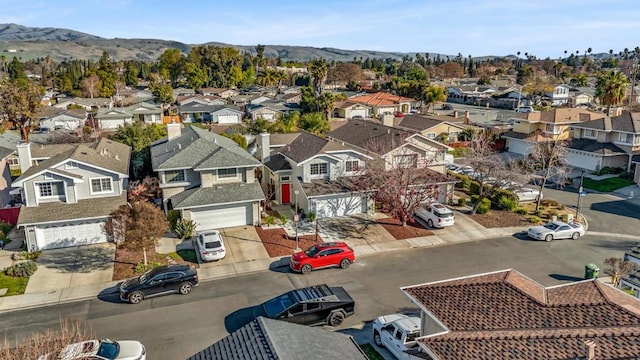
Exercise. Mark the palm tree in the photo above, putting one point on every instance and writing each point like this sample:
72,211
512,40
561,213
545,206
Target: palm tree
611,88
268,77
318,68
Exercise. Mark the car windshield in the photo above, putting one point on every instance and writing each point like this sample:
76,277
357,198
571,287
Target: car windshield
108,350
277,305
312,251
551,226
144,277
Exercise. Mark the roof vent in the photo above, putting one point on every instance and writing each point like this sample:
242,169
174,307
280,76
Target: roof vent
179,146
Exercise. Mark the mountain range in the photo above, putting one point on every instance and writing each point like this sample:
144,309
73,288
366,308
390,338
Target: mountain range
59,44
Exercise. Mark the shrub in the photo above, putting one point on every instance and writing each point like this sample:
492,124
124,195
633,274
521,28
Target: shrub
185,229
474,198
140,268
283,219
549,202
534,219
462,201
173,216
25,255
474,187
520,211
483,208
507,203
270,220
23,269
311,216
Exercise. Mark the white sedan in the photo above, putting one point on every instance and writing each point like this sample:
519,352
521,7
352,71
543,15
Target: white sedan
210,245
556,230
100,350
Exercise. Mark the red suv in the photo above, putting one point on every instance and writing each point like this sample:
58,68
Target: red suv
322,256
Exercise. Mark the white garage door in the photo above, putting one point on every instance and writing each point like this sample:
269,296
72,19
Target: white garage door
222,217
73,234
267,116
228,119
111,123
359,112
339,206
583,161
519,147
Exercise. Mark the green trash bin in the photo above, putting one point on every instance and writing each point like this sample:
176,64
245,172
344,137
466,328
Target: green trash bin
591,271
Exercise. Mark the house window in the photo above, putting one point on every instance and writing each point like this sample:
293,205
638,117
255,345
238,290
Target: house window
227,173
101,185
552,129
590,133
71,165
352,165
625,138
284,178
319,169
13,161
174,176
406,160
51,189
431,135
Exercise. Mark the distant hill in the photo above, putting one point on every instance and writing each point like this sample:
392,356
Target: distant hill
30,42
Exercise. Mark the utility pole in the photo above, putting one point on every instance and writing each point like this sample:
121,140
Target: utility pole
580,190
634,69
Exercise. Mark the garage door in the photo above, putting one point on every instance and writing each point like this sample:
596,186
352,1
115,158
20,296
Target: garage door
339,206
222,217
582,160
359,112
228,119
72,234
518,147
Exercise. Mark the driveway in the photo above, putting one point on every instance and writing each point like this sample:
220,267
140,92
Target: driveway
73,266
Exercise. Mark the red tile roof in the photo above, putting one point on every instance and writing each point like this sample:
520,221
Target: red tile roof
380,99
505,315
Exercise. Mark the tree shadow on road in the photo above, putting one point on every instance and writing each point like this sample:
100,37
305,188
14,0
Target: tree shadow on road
618,207
621,245
81,259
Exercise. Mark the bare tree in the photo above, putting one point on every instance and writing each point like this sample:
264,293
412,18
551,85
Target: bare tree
139,224
47,342
398,178
548,161
492,172
90,85
618,269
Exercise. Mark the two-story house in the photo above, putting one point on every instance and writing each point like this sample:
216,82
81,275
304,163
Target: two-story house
310,171
610,141
398,146
434,127
207,177
383,102
68,196
542,126
560,95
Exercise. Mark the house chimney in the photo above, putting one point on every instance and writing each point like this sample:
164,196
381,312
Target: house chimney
24,154
387,120
263,143
591,349
174,130
466,117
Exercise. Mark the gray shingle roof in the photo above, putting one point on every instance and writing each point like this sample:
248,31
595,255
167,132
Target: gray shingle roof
219,194
59,211
277,162
594,147
369,135
199,149
267,339
307,145
421,123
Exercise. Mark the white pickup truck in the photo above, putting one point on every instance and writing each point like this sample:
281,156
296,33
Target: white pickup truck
397,333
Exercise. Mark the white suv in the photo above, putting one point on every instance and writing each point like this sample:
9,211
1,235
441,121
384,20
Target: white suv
436,215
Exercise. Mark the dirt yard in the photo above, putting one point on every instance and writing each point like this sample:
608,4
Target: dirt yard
411,230
278,243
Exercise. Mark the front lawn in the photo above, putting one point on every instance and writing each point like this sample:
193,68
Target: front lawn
371,352
188,255
606,185
16,285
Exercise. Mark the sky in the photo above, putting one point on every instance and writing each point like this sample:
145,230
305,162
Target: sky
469,27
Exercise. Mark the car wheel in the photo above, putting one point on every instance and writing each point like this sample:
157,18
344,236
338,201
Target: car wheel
377,339
575,236
548,237
136,297
306,269
185,288
430,223
335,319
345,263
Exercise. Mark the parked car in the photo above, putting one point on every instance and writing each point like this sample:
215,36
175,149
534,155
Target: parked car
557,230
524,109
100,350
210,245
168,279
436,215
322,256
313,305
527,194
397,333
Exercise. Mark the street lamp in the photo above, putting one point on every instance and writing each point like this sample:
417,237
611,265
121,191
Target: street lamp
580,189
295,217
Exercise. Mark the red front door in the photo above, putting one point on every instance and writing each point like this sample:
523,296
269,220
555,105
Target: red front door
286,193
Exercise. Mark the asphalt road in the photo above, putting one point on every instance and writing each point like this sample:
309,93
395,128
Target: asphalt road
175,327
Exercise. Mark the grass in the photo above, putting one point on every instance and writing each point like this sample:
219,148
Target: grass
606,185
186,255
16,285
371,352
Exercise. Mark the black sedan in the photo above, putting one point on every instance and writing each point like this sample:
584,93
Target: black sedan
169,279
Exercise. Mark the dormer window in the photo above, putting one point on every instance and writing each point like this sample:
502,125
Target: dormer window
231,173
352,165
318,169
101,185
174,176
50,189
71,165
590,133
